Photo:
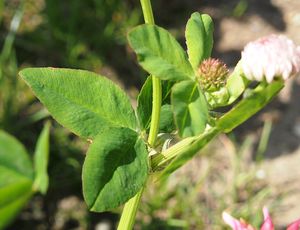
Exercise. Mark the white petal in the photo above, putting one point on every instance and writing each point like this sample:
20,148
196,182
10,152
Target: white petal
271,56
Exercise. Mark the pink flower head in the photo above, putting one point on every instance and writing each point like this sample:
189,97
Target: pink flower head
269,57
267,224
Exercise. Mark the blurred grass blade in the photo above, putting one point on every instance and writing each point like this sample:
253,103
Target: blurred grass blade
41,157
8,68
240,9
1,9
42,114
10,38
264,140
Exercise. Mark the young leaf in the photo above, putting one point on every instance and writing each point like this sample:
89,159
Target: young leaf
199,38
115,168
236,84
14,157
251,104
209,30
9,211
159,53
189,108
144,104
16,178
41,156
166,122
80,100
144,108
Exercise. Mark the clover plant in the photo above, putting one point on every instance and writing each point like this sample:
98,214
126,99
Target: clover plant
176,116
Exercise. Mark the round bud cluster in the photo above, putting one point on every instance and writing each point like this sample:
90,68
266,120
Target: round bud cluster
212,74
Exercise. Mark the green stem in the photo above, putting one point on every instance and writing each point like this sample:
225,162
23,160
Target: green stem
147,11
156,106
129,212
130,208
157,94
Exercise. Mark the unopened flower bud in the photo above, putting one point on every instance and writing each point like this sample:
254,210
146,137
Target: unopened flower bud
212,74
270,57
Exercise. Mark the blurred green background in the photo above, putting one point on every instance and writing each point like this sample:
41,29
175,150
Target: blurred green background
91,35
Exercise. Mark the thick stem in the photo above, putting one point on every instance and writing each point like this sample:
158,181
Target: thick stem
131,207
147,11
129,212
156,103
156,106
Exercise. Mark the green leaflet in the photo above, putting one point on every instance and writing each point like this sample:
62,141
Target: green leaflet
115,168
189,108
166,122
13,185
236,84
199,38
144,108
41,156
209,29
82,101
16,175
144,104
11,210
252,103
14,157
159,53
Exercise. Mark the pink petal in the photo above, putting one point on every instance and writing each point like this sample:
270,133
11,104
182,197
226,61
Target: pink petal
294,226
267,224
234,223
